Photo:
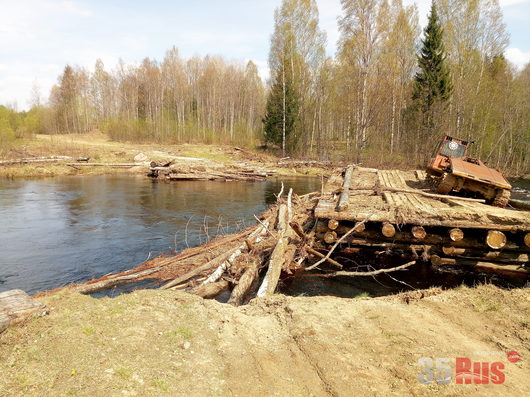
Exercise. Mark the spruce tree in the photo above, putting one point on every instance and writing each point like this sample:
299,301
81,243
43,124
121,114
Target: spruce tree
432,83
282,110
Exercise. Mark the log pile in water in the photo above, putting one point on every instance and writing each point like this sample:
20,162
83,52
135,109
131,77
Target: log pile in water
206,172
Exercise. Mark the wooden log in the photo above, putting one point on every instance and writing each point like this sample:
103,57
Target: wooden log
276,262
527,239
481,265
299,230
218,261
371,237
104,164
90,288
242,288
211,290
418,232
496,239
333,224
486,255
16,306
456,234
43,159
345,195
283,251
388,230
330,237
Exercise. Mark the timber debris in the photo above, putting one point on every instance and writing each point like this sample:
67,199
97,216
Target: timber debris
367,212
206,171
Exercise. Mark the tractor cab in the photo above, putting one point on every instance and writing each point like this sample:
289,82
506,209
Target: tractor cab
449,148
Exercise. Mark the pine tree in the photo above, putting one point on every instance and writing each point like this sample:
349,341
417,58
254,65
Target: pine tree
282,110
433,82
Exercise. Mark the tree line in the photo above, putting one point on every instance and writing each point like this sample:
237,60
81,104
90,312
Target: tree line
376,102
385,98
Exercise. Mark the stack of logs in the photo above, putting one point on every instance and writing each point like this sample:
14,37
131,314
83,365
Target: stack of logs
481,249
199,172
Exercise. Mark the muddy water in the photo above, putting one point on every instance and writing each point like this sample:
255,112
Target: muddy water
62,230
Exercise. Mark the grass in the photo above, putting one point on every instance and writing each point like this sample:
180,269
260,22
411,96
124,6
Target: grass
99,148
486,306
179,333
363,295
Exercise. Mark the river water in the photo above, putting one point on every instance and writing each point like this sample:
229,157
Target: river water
70,229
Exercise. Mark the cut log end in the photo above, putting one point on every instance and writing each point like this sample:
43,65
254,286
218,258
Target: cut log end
333,224
360,227
330,237
456,234
496,239
388,230
419,232
527,239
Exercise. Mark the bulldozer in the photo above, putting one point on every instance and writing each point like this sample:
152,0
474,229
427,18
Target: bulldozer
453,170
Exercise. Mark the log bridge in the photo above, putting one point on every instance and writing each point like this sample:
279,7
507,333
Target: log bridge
401,213
359,211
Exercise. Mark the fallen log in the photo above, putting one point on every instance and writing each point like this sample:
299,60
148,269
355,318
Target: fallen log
242,288
112,282
499,256
16,306
104,164
211,290
278,257
481,265
345,195
47,159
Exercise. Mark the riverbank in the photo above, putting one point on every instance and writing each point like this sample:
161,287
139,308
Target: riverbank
163,342
100,149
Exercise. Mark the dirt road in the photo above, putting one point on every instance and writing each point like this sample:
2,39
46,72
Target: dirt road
172,343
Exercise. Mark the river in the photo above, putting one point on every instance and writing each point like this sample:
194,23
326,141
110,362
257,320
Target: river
66,230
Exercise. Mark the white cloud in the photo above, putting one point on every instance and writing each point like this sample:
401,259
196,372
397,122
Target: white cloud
517,57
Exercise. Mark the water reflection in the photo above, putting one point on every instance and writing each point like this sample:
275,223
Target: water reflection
57,231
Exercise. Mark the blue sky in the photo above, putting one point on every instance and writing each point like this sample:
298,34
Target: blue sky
38,37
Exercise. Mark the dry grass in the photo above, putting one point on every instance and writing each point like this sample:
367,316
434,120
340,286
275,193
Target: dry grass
99,148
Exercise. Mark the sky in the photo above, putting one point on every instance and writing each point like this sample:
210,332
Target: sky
39,37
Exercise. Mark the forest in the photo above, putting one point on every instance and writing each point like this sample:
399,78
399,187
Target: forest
384,99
